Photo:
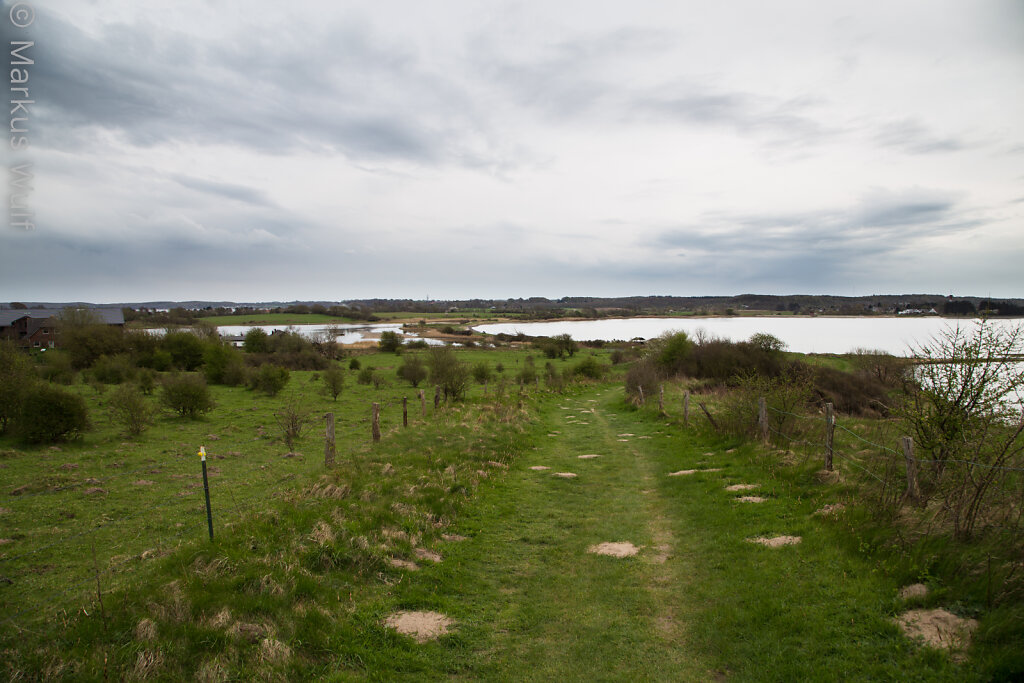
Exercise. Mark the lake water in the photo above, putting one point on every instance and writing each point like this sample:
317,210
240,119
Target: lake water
352,333
804,335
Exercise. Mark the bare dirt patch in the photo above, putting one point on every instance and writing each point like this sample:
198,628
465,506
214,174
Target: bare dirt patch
776,541
830,509
627,434
427,555
751,499
540,468
454,538
565,475
914,590
681,473
937,628
625,549
403,564
742,487
421,626
588,456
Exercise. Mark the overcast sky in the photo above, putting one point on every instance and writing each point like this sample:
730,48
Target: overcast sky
250,150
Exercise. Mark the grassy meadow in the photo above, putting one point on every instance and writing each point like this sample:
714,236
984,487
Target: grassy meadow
107,572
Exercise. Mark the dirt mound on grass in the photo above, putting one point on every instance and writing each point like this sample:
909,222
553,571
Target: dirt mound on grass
588,456
776,541
421,626
565,475
830,509
751,499
625,549
540,468
685,472
937,628
742,487
914,590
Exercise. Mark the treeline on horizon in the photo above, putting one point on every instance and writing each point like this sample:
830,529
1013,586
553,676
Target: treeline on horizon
367,310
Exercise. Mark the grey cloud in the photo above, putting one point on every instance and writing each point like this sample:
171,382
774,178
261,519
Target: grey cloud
332,90
913,137
246,195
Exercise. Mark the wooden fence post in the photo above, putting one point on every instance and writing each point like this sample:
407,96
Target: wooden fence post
661,399
437,397
641,394
913,492
686,408
830,431
329,450
708,415
762,418
423,404
405,411
376,422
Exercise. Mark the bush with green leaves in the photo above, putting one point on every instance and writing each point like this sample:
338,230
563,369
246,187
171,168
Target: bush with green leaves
217,357
16,376
589,367
365,376
146,380
482,372
187,395
256,341
448,372
113,369
413,370
49,414
186,350
129,408
354,364
271,379
390,341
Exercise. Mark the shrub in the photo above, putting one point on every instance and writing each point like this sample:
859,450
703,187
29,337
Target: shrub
147,380
235,373
16,377
129,408
448,372
643,375
256,341
271,379
590,368
291,418
334,381
413,370
354,364
57,368
186,395
217,357
186,350
482,372
49,414
365,376
113,369
390,341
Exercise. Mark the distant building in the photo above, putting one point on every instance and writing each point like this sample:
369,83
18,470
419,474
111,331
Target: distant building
36,328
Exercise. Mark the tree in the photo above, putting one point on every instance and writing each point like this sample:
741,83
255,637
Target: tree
217,358
448,372
390,341
413,370
186,350
334,381
670,352
85,336
482,372
256,341
767,342
292,418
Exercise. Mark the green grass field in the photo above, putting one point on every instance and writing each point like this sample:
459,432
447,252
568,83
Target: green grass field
307,563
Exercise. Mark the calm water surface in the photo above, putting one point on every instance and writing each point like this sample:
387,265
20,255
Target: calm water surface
805,335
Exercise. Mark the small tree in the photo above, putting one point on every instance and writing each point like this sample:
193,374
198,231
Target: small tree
256,341
413,370
390,341
129,408
354,364
448,372
365,376
187,395
334,381
292,419
482,372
